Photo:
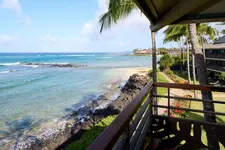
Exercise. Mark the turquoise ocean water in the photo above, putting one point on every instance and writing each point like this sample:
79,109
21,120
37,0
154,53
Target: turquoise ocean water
32,93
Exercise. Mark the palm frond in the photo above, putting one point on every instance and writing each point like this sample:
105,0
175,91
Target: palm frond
105,20
117,10
206,32
175,33
223,32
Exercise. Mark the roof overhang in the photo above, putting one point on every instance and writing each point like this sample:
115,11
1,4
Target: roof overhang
214,46
164,12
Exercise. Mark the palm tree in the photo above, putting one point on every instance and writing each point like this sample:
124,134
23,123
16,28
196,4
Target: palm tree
206,33
176,33
203,79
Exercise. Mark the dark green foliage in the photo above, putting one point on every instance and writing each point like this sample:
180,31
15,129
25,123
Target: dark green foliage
117,10
175,33
179,63
162,51
90,135
150,72
221,76
135,50
166,62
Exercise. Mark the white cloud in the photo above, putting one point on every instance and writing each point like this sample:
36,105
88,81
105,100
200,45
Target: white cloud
15,6
122,43
48,38
26,20
6,39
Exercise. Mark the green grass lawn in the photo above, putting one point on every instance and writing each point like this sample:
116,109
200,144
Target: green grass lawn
90,135
161,78
218,108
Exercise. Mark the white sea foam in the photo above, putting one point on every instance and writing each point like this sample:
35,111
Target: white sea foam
10,64
32,66
77,55
8,71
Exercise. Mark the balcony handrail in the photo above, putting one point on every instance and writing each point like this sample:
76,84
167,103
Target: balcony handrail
110,135
120,130
190,99
190,87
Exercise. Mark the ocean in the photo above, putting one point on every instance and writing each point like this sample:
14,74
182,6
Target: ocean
32,91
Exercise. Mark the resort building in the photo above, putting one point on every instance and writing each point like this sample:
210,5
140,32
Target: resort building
215,55
143,51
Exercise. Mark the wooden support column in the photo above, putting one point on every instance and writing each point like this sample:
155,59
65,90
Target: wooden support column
154,73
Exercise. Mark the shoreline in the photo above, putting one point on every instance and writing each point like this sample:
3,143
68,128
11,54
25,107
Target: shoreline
54,133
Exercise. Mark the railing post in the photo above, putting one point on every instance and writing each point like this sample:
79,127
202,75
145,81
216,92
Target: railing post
151,119
169,102
154,73
127,136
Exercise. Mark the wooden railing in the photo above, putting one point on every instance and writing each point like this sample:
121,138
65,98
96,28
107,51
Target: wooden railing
170,86
129,129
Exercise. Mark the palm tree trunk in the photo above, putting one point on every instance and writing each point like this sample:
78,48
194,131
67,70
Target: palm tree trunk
182,57
194,74
188,65
203,79
154,73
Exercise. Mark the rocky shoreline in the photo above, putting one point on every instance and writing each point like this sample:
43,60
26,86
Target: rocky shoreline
62,65
55,135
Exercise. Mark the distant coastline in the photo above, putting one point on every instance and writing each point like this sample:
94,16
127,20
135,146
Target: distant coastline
138,55
146,55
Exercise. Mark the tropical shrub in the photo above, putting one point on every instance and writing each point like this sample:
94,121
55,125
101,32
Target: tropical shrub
150,72
222,76
165,62
163,51
169,72
175,78
179,104
178,63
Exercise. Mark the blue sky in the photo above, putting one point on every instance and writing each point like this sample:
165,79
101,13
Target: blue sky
69,26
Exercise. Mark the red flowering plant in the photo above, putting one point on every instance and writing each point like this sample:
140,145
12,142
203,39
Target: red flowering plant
177,112
165,113
178,104
186,82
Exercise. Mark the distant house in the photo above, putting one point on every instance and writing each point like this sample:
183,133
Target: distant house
174,52
149,51
144,51
215,55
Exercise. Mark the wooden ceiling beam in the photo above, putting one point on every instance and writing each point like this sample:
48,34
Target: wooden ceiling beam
199,18
178,11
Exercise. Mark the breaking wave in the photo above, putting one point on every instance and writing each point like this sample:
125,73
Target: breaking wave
8,71
10,64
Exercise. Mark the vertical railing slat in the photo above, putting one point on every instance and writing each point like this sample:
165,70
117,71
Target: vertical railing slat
168,102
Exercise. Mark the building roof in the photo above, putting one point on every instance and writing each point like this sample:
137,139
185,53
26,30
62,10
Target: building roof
214,46
221,40
218,44
164,12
